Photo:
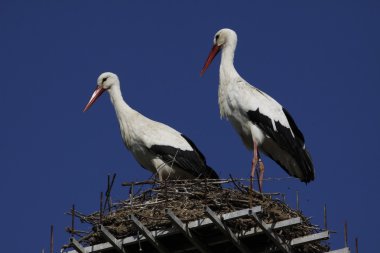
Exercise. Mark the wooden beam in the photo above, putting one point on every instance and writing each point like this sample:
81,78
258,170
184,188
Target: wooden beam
269,232
308,238
225,217
276,225
186,232
226,230
344,250
77,246
116,244
148,235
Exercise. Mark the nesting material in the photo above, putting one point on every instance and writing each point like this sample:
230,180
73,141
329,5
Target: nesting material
187,198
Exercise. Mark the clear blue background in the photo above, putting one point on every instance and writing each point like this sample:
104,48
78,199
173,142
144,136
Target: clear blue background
320,59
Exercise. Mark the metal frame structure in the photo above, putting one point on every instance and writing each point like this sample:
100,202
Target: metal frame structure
191,241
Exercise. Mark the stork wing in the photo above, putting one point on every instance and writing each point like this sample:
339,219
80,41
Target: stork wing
287,146
192,161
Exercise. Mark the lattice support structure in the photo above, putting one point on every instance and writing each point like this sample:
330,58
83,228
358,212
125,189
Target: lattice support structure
154,237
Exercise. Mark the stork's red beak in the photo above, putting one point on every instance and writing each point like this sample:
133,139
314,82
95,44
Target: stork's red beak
214,51
98,91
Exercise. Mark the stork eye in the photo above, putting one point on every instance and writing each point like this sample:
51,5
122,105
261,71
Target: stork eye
216,37
104,79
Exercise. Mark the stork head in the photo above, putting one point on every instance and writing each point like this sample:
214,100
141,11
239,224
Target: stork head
222,38
105,82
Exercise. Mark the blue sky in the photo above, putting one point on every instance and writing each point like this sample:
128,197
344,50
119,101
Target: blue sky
319,59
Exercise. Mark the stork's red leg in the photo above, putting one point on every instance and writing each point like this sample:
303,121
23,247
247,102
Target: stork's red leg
254,162
261,174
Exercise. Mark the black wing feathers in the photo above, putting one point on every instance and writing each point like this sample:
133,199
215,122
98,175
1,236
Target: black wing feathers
209,173
297,132
193,162
283,137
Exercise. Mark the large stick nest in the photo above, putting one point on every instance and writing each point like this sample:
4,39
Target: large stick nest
187,198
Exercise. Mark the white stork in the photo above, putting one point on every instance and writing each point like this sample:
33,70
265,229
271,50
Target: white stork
262,123
156,146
